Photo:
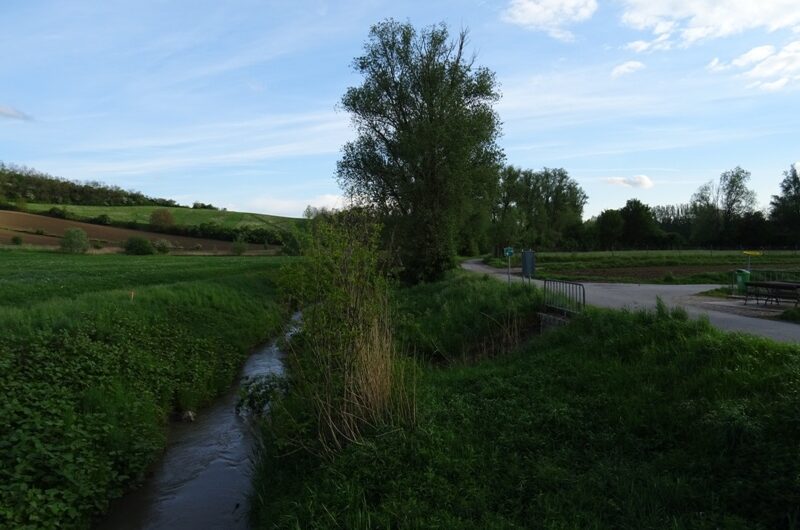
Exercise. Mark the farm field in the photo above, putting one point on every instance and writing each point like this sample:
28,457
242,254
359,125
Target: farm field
97,351
643,266
182,216
47,231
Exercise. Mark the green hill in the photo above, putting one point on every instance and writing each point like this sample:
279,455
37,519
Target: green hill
182,216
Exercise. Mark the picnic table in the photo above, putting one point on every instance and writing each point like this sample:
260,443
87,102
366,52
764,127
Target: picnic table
773,292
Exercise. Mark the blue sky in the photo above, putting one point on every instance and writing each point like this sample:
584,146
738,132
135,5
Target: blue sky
235,102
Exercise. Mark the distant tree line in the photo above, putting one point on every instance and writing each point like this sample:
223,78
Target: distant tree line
20,183
720,214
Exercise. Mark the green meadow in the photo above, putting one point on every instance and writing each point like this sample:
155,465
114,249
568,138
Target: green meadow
182,216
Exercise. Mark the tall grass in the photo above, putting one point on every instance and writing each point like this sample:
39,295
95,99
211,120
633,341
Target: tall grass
343,364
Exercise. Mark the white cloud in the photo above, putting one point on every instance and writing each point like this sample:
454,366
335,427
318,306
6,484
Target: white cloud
637,181
717,66
770,70
626,68
662,42
549,16
754,56
696,20
13,114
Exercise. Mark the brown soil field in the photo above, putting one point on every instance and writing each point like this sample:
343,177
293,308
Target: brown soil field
51,230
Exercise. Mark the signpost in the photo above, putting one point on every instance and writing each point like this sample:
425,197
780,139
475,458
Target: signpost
509,251
750,254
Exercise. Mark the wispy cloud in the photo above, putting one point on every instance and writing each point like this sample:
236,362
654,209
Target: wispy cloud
769,69
626,68
13,114
695,20
549,16
637,181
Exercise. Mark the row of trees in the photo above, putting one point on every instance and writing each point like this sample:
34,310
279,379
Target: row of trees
427,163
721,213
21,184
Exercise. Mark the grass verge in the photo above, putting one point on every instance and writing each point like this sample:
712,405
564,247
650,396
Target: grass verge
620,420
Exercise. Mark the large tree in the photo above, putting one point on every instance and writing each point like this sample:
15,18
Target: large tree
426,155
786,207
640,227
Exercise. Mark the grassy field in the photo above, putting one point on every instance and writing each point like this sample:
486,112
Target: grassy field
620,420
96,352
182,216
658,266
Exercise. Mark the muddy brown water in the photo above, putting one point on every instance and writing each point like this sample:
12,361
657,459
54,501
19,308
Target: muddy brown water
203,480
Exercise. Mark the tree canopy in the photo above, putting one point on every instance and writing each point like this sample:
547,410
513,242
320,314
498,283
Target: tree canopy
426,155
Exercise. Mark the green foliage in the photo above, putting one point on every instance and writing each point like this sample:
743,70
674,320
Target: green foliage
620,420
786,206
139,246
610,227
162,246
426,155
463,317
94,361
16,240
22,183
75,241
792,315
161,218
342,371
239,246
537,208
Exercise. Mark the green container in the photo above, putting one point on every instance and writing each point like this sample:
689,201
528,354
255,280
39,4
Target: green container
742,277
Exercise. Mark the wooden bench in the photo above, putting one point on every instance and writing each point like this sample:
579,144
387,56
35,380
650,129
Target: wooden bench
772,292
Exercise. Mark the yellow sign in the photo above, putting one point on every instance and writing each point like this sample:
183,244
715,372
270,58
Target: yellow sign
753,253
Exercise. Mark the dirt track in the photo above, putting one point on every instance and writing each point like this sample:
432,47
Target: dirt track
26,225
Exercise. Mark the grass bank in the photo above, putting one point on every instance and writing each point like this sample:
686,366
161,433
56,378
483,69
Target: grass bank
620,420
96,352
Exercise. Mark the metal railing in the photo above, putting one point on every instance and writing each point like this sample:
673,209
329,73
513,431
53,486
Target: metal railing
568,298
765,275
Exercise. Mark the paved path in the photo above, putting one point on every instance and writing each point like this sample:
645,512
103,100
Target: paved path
640,296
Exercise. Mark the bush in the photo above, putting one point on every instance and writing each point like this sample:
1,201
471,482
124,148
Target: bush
101,219
16,240
162,218
239,246
75,241
139,246
60,213
162,246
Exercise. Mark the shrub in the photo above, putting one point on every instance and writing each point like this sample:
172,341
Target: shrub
75,241
39,232
16,240
162,246
101,219
239,246
139,246
161,218
60,213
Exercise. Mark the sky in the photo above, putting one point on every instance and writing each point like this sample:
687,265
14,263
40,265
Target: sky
236,103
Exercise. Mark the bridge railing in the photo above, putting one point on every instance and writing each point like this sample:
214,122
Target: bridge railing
565,297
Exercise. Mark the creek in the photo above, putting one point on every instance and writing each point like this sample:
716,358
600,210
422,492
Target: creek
203,479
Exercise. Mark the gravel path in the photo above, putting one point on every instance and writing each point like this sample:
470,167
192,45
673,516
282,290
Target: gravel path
640,296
